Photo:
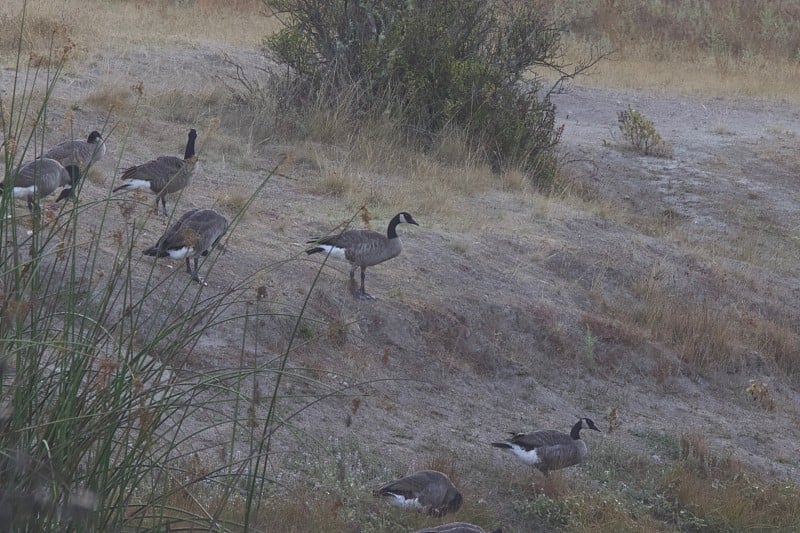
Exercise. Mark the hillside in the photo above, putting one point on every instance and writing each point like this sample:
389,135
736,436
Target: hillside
647,295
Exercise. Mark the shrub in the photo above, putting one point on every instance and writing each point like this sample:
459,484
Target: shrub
642,134
431,65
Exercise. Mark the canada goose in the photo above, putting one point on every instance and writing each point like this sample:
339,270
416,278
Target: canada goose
549,449
427,490
364,248
458,527
38,178
193,235
162,176
79,152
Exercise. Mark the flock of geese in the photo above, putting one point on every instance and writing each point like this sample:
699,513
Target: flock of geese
433,492
196,233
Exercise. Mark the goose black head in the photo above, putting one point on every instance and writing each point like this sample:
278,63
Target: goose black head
588,424
407,218
94,137
66,192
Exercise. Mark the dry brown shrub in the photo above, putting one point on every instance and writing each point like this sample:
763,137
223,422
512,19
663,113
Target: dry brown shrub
233,201
446,464
110,98
553,486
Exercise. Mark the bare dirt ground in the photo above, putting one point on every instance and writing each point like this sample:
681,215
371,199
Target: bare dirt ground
481,323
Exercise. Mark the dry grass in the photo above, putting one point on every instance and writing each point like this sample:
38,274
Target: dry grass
357,166
722,495
707,333
100,26
726,48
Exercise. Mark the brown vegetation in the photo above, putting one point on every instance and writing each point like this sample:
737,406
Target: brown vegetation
629,290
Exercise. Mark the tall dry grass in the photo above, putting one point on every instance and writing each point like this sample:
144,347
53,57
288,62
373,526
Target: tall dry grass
722,47
97,27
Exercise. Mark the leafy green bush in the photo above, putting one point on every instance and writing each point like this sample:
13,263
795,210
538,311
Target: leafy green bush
431,65
642,134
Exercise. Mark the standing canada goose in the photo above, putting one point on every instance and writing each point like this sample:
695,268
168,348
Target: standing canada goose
364,248
427,490
79,152
195,234
162,176
458,527
549,449
38,178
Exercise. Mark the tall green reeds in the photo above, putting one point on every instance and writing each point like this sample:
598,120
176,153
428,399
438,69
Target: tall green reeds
103,424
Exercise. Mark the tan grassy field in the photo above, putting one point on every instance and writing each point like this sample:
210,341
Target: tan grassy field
657,296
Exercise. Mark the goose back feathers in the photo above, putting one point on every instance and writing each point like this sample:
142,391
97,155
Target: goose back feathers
39,178
364,248
79,152
457,527
428,490
164,175
549,449
192,236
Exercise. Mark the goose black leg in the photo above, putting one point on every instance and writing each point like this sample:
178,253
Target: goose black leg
363,295
195,273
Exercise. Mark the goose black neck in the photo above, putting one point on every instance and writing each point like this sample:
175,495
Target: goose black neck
190,145
392,231
74,173
576,430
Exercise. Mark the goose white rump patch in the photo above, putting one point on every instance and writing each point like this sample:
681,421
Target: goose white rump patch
180,253
528,456
335,251
24,192
399,500
137,184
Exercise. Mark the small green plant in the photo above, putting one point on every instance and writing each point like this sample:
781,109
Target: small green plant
547,511
641,133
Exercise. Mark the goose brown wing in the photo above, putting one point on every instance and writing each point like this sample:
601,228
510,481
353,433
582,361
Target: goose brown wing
539,439
77,152
348,239
158,171
411,486
454,527
210,226
563,455
46,174
174,237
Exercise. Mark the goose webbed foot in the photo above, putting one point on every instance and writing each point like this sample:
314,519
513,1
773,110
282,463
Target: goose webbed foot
365,296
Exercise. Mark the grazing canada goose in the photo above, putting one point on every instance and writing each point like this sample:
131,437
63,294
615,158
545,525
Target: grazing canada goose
458,527
195,234
38,178
364,248
79,152
162,176
427,490
548,449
